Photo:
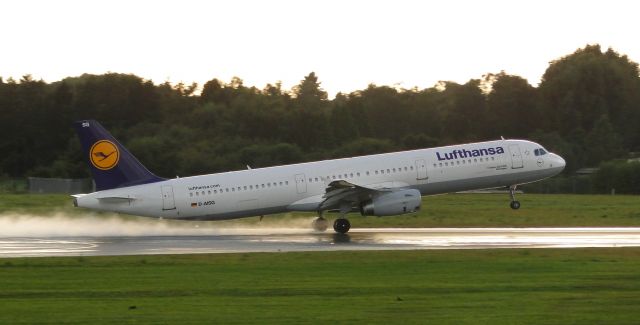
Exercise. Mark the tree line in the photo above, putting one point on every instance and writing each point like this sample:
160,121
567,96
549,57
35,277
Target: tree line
586,108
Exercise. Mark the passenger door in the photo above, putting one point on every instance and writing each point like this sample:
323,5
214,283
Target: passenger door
168,203
516,156
301,185
421,169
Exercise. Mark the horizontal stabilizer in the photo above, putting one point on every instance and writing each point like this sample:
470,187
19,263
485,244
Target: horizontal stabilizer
116,199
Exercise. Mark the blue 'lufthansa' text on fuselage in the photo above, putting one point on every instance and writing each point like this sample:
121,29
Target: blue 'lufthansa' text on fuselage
463,153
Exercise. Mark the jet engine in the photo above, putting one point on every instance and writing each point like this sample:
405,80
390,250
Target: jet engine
392,203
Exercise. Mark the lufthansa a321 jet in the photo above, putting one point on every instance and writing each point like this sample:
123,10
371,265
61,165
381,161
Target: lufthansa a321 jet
375,185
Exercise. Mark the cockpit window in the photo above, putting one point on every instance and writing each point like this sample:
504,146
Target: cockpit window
539,152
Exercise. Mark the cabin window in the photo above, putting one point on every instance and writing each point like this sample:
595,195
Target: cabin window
376,172
209,192
191,194
262,185
367,173
440,164
280,183
286,182
233,189
333,177
475,160
215,191
388,170
351,175
382,171
411,167
394,170
405,168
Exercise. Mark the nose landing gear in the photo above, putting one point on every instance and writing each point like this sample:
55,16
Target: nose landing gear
512,192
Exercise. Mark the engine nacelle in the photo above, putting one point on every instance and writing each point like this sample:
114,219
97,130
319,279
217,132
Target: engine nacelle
392,203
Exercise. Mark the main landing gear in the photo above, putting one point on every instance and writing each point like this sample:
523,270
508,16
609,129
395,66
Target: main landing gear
341,225
320,223
512,192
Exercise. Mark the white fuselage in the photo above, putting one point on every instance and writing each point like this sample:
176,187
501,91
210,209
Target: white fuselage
300,187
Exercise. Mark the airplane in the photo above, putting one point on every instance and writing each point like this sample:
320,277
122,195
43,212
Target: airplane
375,185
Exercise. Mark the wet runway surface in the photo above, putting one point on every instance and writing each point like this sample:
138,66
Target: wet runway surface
288,240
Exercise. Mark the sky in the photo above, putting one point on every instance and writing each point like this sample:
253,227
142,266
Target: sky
348,44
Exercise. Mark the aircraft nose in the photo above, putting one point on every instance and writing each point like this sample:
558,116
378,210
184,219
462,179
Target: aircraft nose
560,162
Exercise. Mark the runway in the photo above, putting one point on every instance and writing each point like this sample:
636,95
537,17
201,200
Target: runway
288,240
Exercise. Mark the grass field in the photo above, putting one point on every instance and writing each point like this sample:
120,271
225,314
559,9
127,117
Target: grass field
517,286
453,210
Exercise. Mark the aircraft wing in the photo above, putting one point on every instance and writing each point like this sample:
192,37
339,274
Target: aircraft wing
341,191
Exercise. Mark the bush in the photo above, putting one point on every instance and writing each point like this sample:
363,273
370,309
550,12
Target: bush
622,176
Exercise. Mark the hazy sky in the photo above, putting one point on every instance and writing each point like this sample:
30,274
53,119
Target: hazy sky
349,44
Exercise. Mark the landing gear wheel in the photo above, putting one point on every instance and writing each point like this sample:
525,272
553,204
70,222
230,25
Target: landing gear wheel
341,226
512,193
320,224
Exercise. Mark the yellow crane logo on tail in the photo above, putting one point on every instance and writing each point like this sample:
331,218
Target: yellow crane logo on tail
104,155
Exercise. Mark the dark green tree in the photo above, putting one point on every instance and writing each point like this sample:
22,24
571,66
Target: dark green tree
309,95
512,106
578,89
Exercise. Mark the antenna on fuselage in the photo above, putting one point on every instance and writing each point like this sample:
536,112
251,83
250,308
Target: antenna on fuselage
501,137
248,167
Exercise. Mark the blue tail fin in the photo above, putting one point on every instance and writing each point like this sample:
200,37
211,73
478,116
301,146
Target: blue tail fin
111,164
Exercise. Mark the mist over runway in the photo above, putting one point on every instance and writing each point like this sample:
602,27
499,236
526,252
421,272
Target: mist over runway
242,240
